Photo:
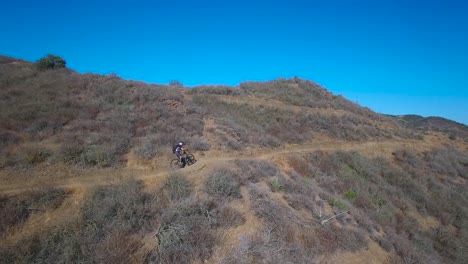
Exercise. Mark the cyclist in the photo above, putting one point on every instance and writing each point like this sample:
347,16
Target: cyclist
179,151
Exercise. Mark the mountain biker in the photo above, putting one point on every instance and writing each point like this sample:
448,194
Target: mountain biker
179,151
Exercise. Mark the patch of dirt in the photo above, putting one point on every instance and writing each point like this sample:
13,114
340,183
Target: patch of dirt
373,254
39,222
232,236
426,222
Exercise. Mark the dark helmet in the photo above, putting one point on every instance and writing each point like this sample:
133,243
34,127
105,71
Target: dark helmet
181,143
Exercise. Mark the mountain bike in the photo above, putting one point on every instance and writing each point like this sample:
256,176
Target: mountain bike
189,160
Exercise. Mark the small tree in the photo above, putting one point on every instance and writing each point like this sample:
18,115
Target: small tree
175,83
50,62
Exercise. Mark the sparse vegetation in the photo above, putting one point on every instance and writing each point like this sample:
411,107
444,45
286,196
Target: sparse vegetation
177,187
15,210
223,183
254,171
57,125
387,192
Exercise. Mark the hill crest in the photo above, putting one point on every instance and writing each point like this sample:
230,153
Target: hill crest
84,168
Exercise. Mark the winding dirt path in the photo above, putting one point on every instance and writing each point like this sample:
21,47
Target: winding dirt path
50,176
78,182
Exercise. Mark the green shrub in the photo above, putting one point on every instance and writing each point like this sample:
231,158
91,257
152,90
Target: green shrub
350,195
275,184
337,203
50,62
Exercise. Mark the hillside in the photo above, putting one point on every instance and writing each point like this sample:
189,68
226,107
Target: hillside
286,172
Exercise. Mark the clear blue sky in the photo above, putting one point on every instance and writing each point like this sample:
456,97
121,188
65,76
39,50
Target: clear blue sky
394,56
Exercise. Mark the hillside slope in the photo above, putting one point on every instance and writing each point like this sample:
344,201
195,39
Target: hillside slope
85,175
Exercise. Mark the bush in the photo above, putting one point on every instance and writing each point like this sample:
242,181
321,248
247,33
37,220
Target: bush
7,138
199,144
50,62
96,156
223,183
147,148
177,187
350,195
187,233
337,203
230,217
108,229
274,214
275,184
333,237
30,155
254,170
70,153
175,83
124,207
15,210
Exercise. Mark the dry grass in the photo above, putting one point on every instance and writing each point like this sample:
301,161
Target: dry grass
59,127
16,209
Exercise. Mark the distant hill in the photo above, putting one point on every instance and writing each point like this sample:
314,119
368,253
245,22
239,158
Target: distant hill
286,172
434,123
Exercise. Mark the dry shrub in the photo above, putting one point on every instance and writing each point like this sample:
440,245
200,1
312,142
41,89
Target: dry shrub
117,247
186,233
239,254
215,89
255,170
7,138
273,214
301,166
199,144
16,209
107,230
223,183
147,148
449,162
177,187
230,217
114,219
123,207
26,156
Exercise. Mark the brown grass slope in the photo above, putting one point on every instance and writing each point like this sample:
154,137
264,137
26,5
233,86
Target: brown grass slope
84,172
433,123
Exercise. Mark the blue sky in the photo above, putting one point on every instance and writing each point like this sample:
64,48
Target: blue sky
396,57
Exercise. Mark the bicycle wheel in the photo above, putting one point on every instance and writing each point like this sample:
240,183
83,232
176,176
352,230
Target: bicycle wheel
190,159
175,164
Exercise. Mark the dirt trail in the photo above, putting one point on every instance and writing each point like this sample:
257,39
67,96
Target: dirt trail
17,182
79,182
254,101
